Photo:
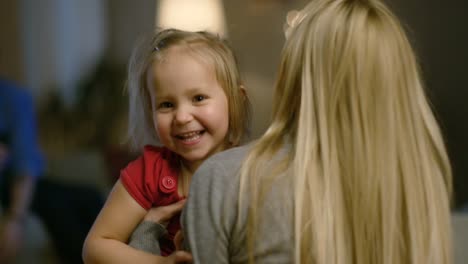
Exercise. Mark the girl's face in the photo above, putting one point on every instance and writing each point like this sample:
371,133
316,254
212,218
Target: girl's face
190,109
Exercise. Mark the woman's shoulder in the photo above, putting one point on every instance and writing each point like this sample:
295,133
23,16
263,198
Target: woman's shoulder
231,159
232,156
220,170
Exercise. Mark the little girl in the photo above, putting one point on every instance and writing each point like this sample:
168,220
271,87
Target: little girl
185,93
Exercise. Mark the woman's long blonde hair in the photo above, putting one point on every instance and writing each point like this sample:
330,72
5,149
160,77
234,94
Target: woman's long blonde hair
372,180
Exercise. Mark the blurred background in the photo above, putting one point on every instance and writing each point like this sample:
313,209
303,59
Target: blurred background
72,56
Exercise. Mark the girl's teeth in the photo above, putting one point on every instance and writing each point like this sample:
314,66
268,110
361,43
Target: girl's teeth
190,136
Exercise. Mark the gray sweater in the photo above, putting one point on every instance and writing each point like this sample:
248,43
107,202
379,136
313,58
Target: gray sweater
214,226
146,237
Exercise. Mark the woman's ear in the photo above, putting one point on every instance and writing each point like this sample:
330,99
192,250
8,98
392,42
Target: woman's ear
243,91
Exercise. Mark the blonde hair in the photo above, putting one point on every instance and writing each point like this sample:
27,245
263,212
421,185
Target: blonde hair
372,180
208,47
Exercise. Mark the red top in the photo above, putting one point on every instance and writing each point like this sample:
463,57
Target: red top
151,180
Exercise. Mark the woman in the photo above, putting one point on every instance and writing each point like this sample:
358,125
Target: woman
353,167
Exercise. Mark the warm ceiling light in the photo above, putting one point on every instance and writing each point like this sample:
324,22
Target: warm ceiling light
192,15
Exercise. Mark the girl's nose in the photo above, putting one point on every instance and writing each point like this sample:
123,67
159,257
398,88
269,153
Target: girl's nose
183,115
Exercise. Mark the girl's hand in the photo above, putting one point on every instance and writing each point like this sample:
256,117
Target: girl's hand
178,239
163,214
179,256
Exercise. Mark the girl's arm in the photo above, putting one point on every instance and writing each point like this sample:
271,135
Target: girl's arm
106,241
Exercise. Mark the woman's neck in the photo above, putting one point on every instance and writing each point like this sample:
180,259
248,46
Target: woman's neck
190,167
186,172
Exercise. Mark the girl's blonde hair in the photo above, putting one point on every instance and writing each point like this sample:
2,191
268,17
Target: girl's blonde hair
372,180
207,46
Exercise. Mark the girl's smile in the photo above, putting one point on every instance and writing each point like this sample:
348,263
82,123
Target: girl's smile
191,138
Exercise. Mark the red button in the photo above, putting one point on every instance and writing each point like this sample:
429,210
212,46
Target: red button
168,183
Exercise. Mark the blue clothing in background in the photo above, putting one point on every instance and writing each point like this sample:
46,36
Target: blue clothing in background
66,210
18,130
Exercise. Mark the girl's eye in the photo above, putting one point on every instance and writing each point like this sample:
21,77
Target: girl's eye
165,105
199,98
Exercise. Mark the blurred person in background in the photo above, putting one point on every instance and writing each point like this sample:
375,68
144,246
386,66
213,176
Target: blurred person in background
67,211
